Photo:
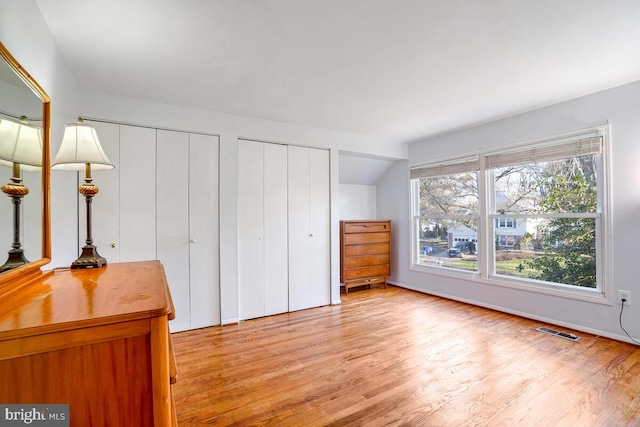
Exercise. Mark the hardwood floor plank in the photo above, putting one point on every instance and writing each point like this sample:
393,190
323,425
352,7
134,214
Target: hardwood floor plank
394,357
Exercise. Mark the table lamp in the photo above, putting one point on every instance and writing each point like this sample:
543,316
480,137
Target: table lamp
81,150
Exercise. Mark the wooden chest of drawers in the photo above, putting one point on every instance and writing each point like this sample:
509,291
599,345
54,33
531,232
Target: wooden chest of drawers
364,253
96,339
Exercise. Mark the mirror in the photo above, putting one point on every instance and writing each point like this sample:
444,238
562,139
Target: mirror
24,107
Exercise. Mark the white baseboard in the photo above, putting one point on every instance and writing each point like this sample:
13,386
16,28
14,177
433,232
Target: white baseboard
556,322
235,320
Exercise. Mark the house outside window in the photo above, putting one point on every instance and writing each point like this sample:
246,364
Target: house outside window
537,214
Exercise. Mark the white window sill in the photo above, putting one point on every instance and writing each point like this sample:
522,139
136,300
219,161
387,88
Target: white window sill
564,291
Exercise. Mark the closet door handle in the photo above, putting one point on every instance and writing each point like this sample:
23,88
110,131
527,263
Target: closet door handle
193,241
113,245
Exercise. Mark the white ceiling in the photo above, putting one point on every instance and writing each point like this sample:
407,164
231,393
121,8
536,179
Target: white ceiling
403,69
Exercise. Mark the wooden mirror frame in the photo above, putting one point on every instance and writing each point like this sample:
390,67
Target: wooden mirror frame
25,273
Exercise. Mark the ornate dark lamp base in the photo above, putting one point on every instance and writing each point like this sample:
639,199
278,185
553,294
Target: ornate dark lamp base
16,259
90,258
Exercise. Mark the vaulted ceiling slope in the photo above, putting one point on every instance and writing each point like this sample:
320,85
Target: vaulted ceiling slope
400,69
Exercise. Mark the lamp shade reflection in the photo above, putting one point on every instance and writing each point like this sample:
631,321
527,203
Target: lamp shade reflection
20,143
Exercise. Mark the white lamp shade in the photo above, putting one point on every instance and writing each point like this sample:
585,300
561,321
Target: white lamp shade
20,143
80,145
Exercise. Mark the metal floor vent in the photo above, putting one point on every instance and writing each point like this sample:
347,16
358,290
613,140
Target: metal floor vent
564,335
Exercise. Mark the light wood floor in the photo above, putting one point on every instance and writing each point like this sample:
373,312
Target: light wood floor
401,358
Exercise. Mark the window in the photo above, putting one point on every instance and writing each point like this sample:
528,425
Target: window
446,215
505,223
536,214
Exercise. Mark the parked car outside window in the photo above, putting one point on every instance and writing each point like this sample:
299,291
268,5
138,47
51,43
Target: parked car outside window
462,248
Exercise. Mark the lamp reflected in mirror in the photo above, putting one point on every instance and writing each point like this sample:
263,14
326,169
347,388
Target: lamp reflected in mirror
81,151
21,150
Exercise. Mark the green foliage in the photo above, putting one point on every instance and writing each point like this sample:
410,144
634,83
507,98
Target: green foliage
565,266
567,193
569,243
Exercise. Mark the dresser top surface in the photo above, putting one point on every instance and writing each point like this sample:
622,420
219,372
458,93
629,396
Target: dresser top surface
363,221
65,299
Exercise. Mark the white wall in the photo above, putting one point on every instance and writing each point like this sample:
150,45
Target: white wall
357,201
362,169
393,203
621,106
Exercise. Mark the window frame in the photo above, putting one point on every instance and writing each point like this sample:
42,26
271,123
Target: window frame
463,165
487,224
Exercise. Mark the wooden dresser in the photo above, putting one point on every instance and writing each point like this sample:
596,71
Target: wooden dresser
96,339
364,253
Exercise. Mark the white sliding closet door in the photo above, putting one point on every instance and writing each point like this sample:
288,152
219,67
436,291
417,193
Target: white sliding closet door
309,239
320,227
250,229
299,233
275,230
262,228
204,249
173,220
137,193
187,215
